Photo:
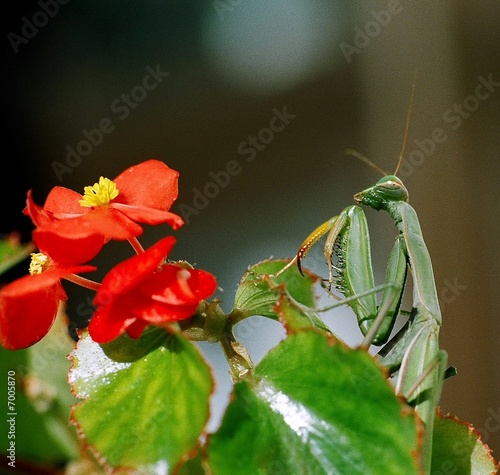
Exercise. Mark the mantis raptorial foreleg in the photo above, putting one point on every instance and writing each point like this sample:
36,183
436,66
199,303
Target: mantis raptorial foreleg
352,275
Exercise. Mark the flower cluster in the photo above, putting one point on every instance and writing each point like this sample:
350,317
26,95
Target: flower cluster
71,229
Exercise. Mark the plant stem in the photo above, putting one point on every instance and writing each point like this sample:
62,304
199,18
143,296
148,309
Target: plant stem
136,245
237,356
83,282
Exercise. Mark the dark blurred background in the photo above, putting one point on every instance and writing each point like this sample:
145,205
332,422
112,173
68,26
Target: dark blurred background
336,75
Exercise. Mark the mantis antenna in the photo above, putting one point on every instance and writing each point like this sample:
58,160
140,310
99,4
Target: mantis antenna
405,139
356,154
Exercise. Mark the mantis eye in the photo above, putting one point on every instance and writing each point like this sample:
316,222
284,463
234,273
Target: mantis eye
392,185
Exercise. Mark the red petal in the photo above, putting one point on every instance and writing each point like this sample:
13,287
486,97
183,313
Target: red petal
76,248
149,215
62,200
108,323
112,224
35,283
103,222
149,310
134,293
172,294
201,283
131,272
26,319
150,184
37,214
135,329
159,313
174,285
28,306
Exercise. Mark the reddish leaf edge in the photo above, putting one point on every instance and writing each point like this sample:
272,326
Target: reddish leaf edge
472,430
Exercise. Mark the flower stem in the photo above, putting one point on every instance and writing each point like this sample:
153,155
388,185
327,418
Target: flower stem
83,282
236,316
237,356
136,245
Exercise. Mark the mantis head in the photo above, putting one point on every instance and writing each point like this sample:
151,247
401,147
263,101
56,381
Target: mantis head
387,190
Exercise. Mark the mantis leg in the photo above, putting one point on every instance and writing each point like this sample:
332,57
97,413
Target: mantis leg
352,274
421,367
396,274
307,244
313,238
417,355
356,274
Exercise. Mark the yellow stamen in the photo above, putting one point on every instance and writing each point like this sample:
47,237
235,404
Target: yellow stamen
100,194
39,262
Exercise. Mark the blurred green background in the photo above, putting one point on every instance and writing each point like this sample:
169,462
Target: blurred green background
337,75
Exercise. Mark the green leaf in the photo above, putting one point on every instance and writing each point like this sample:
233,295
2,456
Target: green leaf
125,349
12,252
147,414
192,466
317,407
295,317
457,448
257,293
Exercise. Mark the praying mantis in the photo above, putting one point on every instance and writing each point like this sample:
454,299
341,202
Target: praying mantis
413,357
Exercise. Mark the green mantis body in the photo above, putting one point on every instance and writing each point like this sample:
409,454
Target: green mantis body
416,357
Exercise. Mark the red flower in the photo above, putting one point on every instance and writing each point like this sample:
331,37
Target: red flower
144,290
73,228
28,306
